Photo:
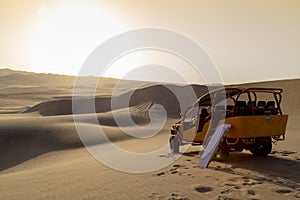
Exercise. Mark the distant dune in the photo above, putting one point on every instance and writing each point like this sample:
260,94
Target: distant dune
42,156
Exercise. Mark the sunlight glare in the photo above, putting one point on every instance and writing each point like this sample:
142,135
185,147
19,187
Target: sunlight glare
67,32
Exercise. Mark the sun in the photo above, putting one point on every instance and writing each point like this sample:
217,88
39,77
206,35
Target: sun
66,33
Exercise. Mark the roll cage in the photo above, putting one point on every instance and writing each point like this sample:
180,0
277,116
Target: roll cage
252,107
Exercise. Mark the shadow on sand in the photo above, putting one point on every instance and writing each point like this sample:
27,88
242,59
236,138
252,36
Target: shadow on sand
275,170
16,148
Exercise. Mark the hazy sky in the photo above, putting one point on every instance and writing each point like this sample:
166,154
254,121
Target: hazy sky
249,40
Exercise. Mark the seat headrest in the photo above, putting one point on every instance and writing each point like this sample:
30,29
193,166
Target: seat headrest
240,103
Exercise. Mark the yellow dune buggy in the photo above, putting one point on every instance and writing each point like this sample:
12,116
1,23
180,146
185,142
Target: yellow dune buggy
254,114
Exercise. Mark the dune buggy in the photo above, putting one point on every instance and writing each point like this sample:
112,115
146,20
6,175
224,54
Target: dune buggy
254,114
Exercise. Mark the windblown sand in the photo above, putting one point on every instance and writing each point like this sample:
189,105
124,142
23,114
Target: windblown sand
42,157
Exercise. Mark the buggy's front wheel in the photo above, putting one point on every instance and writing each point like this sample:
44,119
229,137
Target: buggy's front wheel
221,155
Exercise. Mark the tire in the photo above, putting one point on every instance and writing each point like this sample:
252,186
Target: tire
263,149
221,155
174,144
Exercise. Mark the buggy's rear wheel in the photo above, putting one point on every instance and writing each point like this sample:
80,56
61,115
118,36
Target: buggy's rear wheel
262,149
174,144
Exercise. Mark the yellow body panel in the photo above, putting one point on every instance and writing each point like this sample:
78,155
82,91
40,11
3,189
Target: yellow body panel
244,127
199,137
256,126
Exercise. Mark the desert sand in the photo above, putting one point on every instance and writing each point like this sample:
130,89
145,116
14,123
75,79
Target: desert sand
42,157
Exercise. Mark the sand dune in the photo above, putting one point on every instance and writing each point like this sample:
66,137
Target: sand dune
290,102
42,155
142,99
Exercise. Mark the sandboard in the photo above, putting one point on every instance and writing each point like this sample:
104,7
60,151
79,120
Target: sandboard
213,144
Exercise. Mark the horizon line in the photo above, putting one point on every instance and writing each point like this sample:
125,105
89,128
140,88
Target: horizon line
70,75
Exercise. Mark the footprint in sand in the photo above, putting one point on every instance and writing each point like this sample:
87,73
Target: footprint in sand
283,153
203,189
251,192
235,186
224,198
177,196
283,191
226,191
160,174
238,186
173,196
180,170
178,166
247,181
157,196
